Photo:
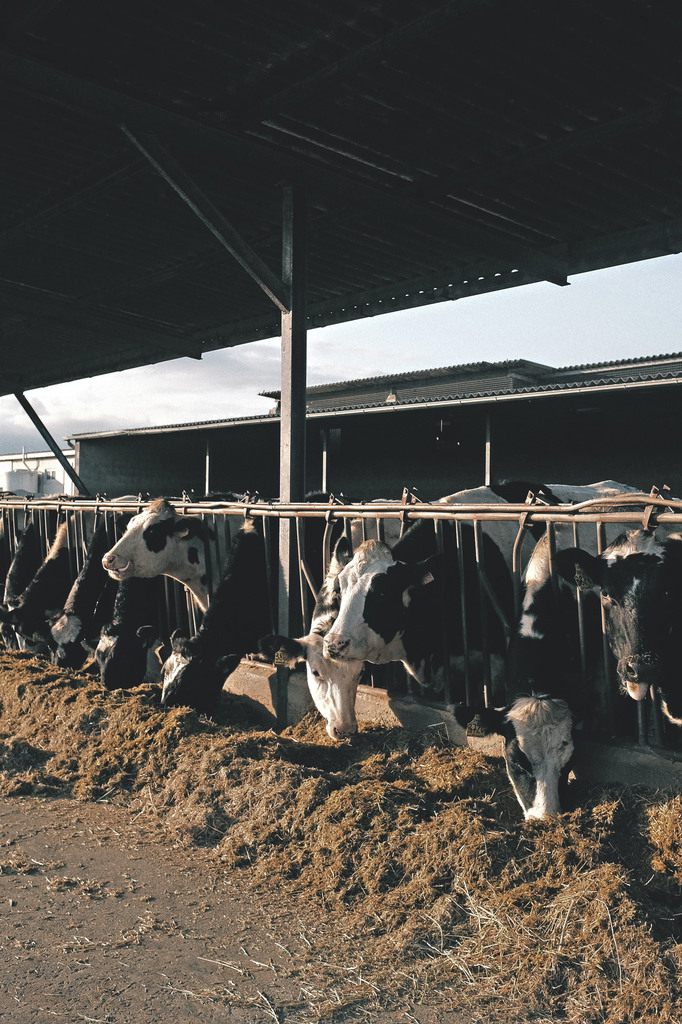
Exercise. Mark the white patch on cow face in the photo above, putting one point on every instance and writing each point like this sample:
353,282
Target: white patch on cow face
333,686
67,629
172,667
104,645
351,638
543,728
176,551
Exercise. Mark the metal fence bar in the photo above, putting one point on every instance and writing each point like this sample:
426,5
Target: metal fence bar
178,611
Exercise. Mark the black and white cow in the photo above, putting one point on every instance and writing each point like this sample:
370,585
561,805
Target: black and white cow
125,652
158,541
640,579
22,568
42,598
537,730
333,684
89,604
396,604
237,616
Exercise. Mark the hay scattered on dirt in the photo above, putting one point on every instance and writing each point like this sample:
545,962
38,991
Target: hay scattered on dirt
412,854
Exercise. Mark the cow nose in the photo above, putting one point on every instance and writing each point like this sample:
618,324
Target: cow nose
108,561
342,732
334,646
637,668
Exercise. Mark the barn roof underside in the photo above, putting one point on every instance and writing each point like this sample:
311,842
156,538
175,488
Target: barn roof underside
446,149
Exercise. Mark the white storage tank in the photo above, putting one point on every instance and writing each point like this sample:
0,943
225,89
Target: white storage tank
21,481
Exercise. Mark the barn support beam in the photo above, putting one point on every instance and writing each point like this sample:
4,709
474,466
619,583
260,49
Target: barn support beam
51,443
292,410
488,451
219,226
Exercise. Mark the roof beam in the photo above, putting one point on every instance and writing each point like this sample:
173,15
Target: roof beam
60,89
83,192
213,219
37,305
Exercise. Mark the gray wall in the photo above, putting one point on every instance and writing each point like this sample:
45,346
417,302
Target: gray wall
633,436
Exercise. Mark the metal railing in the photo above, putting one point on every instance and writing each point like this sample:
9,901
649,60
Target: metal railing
379,520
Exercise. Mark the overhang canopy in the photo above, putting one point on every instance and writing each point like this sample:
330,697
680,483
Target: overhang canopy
446,149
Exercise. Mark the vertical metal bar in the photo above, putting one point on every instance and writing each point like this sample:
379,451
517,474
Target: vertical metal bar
488,451
292,416
463,613
581,617
606,650
207,466
324,434
483,608
445,608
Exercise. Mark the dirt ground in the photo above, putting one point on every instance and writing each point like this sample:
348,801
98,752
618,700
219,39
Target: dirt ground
101,919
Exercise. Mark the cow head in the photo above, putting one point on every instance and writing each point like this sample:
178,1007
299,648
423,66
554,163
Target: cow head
333,684
537,732
375,592
160,542
640,579
192,675
122,655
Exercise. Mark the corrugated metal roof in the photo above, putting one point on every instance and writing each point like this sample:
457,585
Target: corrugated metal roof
453,385
447,148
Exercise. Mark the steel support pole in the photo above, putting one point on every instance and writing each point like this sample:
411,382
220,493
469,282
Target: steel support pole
51,443
292,412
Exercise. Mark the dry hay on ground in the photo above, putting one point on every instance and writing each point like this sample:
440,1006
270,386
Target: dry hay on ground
431,884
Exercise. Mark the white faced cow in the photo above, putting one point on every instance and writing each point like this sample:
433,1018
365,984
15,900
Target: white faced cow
538,746
159,542
640,579
333,684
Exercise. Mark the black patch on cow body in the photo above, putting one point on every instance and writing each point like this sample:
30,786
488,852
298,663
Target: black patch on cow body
193,556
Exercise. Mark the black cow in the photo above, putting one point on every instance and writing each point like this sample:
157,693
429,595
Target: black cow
126,644
89,604
640,579
22,568
237,616
42,597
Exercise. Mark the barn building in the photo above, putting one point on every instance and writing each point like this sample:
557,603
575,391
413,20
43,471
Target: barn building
434,430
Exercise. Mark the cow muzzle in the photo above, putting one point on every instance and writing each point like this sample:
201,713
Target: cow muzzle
637,673
337,647
117,571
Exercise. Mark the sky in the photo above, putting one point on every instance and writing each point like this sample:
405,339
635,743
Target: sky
607,315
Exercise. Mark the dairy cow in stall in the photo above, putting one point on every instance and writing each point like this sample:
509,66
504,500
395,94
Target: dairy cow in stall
22,568
29,612
196,669
89,604
639,579
159,541
127,648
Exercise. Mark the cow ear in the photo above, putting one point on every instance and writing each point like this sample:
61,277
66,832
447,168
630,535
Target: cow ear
343,552
480,722
146,635
281,650
227,663
580,568
429,570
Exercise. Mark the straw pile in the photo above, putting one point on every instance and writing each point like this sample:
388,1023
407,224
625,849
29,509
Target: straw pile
410,853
